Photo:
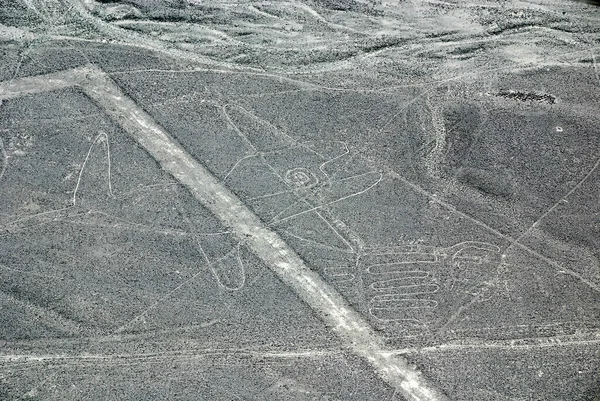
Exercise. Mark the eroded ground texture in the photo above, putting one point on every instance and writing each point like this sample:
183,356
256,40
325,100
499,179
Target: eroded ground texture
299,200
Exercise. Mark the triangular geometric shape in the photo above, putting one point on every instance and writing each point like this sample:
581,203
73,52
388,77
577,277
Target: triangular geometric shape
263,136
94,180
312,230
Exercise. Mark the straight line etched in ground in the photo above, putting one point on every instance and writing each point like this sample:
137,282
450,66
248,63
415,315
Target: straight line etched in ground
354,331
331,307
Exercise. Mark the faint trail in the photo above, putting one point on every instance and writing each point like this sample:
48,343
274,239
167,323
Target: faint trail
596,68
14,354
167,355
510,344
516,241
16,361
314,243
560,201
511,240
166,296
354,331
3,266
4,159
45,316
322,206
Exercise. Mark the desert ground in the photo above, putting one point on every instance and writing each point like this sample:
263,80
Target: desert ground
300,200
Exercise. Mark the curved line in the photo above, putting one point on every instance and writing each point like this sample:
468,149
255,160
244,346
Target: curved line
473,244
335,158
241,267
109,175
395,283
328,203
100,135
421,304
425,306
406,261
371,309
236,164
398,296
400,249
346,163
402,271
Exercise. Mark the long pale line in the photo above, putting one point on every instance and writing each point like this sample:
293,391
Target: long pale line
559,202
517,241
38,84
515,344
512,241
198,354
4,159
355,332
